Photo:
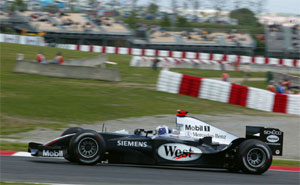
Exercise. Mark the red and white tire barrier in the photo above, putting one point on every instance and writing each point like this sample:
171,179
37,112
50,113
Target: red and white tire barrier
183,54
226,92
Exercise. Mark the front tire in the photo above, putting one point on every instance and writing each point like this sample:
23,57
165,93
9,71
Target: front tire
254,156
87,147
67,132
71,131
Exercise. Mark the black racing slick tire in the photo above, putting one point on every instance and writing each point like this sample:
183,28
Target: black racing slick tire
87,147
254,156
71,131
68,131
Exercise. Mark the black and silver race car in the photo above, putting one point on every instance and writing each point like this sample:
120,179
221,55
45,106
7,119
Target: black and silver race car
193,143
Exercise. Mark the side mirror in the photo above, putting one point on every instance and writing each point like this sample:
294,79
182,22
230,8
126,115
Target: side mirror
148,132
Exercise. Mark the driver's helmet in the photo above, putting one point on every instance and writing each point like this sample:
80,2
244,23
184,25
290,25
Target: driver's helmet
162,130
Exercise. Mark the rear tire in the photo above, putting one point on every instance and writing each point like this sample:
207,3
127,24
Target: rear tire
87,147
254,156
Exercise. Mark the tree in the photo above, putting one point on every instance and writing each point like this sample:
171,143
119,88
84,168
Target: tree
244,16
165,22
153,9
18,5
132,19
182,22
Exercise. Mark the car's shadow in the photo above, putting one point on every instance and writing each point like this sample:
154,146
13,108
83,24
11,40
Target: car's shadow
65,162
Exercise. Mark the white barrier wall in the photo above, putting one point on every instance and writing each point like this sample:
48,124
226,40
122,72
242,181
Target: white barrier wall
293,105
260,99
19,39
215,90
169,82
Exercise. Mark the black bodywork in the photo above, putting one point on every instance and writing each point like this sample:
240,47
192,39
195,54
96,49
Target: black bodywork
214,155
146,149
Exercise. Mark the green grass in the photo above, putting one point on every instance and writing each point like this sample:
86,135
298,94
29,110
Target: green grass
30,101
257,84
297,75
11,125
10,146
285,163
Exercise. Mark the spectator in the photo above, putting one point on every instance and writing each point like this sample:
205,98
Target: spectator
155,63
40,57
286,83
225,77
58,59
288,91
246,71
280,88
271,87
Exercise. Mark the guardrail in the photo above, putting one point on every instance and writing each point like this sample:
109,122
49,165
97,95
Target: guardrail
226,92
168,62
237,59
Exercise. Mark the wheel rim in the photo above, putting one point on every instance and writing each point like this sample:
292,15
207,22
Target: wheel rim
88,147
256,157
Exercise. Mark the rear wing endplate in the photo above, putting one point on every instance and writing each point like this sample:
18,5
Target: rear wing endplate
273,137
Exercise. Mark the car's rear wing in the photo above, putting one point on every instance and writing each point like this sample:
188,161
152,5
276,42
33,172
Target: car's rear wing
273,137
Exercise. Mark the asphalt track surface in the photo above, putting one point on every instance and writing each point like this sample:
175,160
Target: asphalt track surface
49,170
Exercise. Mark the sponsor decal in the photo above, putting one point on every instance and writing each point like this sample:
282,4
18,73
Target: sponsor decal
53,153
272,132
273,138
274,144
132,143
196,134
197,128
178,152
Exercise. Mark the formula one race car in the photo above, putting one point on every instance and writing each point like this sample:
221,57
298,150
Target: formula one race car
192,143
